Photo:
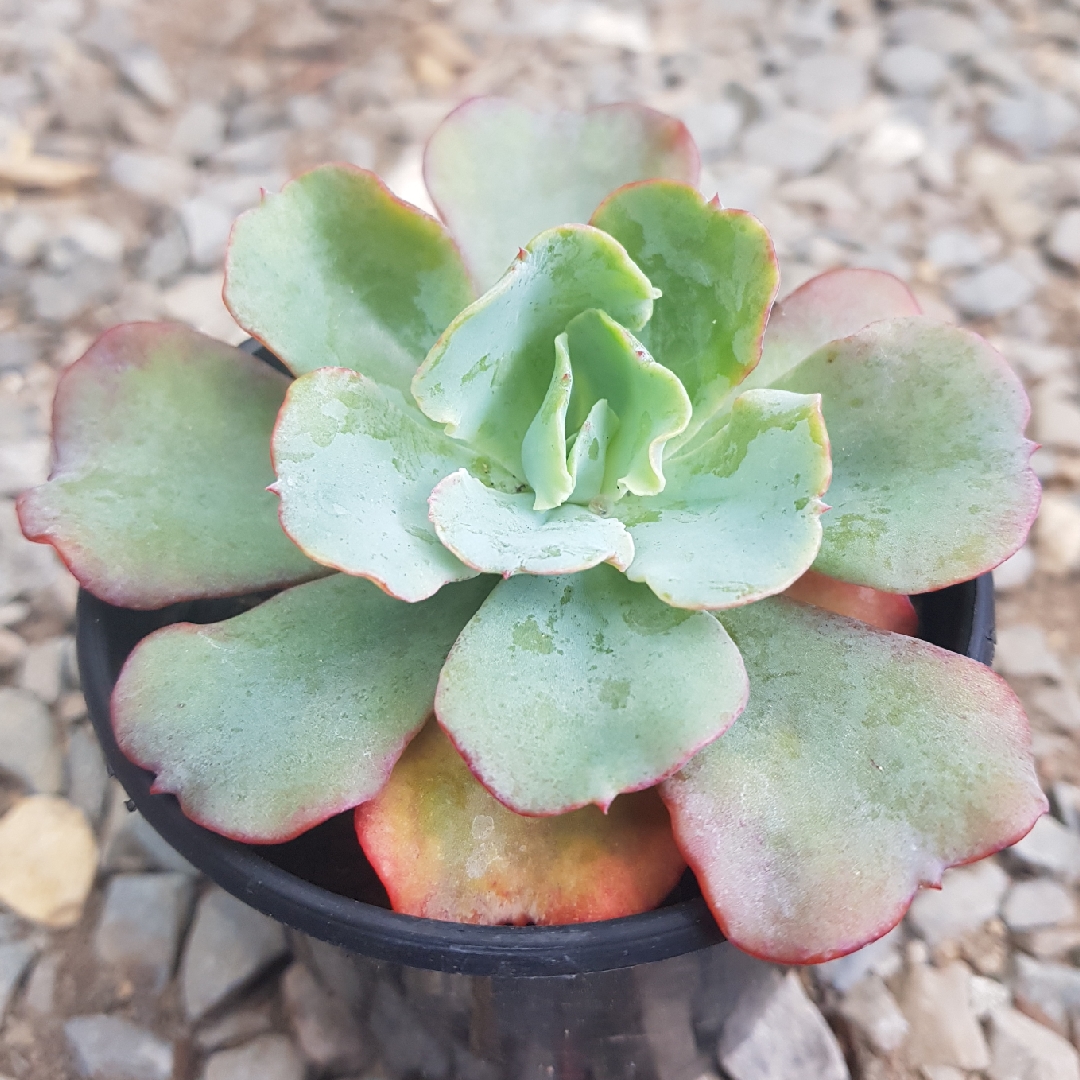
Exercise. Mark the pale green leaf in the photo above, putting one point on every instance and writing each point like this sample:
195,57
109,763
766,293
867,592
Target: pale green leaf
543,450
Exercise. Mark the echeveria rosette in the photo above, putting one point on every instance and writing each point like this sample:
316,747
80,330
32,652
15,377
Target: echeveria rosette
597,430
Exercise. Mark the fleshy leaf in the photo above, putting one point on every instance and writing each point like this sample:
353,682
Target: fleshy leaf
556,690
832,305
610,364
501,172
740,516
543,450
931,483
335,271
587,460
718,275
865,764
356,465
499,533
489,373
268,723
885,610
161,460
446,849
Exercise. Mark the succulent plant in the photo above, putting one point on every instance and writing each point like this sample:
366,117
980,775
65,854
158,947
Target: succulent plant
564,475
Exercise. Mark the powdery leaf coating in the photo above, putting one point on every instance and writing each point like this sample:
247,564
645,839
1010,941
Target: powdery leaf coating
554,690
718,275
355,466
740,516
587,460
865,764
158,488
335,271
931,482
445,849
497,533
268,723
885,610
501,172
832,305
610,364
488,374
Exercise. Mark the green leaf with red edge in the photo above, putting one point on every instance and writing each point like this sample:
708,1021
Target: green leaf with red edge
885,610
356,464
499,533
490,372
718,274
931,482
865,764
500,172
161,460
270,722
740,517
832,305
555,690
446,849
335,271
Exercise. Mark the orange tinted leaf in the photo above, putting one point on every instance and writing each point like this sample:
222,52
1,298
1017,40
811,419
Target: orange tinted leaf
886,611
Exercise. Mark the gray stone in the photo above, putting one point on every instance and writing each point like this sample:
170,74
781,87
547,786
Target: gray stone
937,29
1050,848
1067,800
207,224
1047,990
96,238
29,749
325,1027
1033,121
1057,415
238,1026
713,125
130,843
60,298
356,148
254,117
1057,533
406,1044
270,1057
912,69
1024,653
230,945
24,239
154,177
199,132
1033,904
995,290
944,1028
881,957
1016,571
145,69
310,112
25,568
1064,242
166,256
781,1034
986,995
873,1011
40,993
108,1048
141,924
23,464
956,249
969,897
795,143
829,81
265,151
43,668
18,351
15,958
1024,1050
88,777
666,992
12,650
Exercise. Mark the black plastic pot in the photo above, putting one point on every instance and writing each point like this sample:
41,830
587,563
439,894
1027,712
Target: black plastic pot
321,884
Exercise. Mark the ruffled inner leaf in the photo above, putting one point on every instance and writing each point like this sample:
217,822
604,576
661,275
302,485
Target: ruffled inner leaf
543,450
865,764
161,462
446,849
555,689
740,516
268,723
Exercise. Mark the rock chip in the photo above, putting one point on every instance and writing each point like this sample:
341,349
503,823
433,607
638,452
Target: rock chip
944,1028
1064,242
1024,1050
229,946
15,958
49,856
873,1011
199,131
141,923
408,1047
88,777
109,1048
1057,532
995,290
145,69
269,1057
881,957
713,125
912,69
826,82
130,843
1034,904
969,896
1050,848
207,224
154,177
1047,990
29,749
1023,653
1016,571
795,143
1033,121
238,1026
937,28
325,1028
780,1034
43,669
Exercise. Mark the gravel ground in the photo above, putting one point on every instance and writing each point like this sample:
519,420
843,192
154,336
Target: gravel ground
941,143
